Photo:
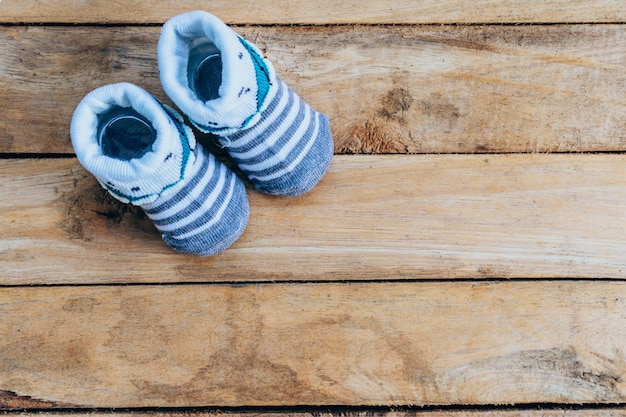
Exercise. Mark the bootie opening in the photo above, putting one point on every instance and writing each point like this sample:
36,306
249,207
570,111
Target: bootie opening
220,81
204,69
136,147
124,133
279,141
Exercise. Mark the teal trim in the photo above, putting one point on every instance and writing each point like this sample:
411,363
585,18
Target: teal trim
185,158
263,81
262,74
209,129
183,135
117,193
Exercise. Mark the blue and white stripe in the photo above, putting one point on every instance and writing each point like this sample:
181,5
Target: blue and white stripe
195,201
207,213
289,150
282,144
245,74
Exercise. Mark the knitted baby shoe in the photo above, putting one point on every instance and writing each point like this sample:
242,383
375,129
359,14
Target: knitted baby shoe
225,87
143,154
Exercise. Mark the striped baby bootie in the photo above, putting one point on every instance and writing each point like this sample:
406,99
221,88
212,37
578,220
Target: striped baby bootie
225,87
143,154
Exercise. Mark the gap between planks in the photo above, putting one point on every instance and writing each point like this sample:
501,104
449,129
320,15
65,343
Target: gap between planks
493,411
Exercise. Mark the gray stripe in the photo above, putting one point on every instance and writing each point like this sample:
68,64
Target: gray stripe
309,171
258,138
303,141
265,114
181,194
195,204
284,138
211,212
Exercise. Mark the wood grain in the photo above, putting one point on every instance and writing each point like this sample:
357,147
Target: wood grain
371,217
431,89
349,296
536,411
310,12
323,344
316,344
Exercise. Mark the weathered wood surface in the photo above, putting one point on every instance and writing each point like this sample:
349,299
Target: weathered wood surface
387,89
310,12
347,412
371,217
606,411
393,81
315,344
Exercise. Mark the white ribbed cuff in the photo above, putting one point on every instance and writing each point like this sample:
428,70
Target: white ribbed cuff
238,104
138,180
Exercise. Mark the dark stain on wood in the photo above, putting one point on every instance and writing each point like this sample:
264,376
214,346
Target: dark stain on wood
373,136
440,108
87,200
560,367
10,400
385,131
6,140
396,104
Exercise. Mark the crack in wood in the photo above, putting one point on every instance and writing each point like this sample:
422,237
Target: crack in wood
10,400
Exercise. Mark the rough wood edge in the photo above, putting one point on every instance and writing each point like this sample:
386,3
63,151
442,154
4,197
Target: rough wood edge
537,411
307,12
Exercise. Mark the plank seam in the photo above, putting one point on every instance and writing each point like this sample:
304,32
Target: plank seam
319,25
331,409
62,155
319,282
35,155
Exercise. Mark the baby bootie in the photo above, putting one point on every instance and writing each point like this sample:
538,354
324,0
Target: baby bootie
143,154
225,87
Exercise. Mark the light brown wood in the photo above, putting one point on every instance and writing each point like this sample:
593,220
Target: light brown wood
387,89
347,412
310,12
371,217
349,296
316,344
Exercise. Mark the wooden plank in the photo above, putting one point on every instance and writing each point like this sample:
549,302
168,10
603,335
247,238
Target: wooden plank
371,217
315,344
370,412
310,12
387,89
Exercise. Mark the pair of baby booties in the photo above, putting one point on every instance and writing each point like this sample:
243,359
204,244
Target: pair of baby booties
277,140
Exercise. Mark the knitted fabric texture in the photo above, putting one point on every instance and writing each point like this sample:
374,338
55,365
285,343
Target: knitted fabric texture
281,143
195,201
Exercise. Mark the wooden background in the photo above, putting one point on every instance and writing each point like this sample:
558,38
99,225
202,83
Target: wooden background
464,256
